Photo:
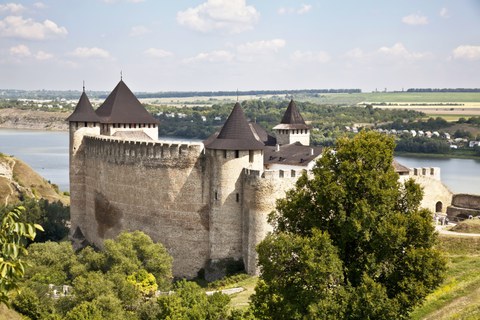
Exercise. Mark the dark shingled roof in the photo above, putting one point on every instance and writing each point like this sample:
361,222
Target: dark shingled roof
236,134
121,106
294,154
399,168
83,111
292,119
262,135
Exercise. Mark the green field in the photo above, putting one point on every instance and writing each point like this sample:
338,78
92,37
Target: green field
406,97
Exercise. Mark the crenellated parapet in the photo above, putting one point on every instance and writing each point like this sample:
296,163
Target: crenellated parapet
123,151
431,172
273,174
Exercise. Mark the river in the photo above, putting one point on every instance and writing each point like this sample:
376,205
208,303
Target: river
47,153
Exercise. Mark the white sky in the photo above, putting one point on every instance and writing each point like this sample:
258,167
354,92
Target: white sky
203,45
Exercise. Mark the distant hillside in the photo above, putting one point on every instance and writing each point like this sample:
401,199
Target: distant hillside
33,119
18,181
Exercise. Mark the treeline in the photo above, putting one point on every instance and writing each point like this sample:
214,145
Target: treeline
443,90
328,121
185,94
422,145
432,124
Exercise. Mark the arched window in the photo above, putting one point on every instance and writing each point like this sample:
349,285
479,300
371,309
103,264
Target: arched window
438,206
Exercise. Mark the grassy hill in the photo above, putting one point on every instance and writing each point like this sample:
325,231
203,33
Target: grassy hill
19,181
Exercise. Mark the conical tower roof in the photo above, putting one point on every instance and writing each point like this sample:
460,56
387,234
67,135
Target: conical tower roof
236,134
292,119
83,111
121,106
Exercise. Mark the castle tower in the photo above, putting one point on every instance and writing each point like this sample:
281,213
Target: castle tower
228,153
82,121
292,128
123,115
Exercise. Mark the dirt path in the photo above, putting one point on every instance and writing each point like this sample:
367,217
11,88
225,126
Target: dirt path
442,230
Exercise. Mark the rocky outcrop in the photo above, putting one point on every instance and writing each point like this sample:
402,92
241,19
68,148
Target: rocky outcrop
18,181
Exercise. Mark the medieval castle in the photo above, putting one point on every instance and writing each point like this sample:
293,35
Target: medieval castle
206,202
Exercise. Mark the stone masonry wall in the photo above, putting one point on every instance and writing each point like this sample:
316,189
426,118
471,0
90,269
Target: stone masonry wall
261,189
226,220
464,205
434,190
155,187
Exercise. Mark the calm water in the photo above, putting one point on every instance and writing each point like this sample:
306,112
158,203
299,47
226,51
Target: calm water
47,153
459,175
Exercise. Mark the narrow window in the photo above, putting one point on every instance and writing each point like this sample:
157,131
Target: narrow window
281,173
237,154
238,197
293,173
216,195
225,154
250,156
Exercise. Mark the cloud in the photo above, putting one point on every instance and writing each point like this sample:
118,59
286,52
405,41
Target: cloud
444,13
39,5
115,1
11,7
20,51
213,56
137,31
84,52
415,19
17,27
304,8
355,53
398,50
42,55
158,53
467,52
261,47
229,16
309,56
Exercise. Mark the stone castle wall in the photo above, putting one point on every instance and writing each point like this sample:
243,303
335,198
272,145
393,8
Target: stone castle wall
261,190
436,197
157,187
464,205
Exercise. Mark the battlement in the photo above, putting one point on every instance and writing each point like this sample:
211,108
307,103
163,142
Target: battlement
121,150
273,174
431,172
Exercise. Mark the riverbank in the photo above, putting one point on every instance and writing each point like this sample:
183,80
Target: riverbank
465,155
33,119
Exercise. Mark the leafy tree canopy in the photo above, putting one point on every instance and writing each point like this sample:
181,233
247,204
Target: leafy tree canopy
353,231
13,235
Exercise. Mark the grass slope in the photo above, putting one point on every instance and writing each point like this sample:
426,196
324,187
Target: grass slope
468,226
459,295
25,182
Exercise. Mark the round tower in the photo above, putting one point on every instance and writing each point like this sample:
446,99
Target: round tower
229,153
82,121
292,128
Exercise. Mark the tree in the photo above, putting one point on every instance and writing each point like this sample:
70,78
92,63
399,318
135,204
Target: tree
382,238
130,252
13,235
301,275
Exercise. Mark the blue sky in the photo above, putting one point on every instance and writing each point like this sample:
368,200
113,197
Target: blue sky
203,45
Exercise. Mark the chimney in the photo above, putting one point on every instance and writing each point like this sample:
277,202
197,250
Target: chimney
311,151
277,147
